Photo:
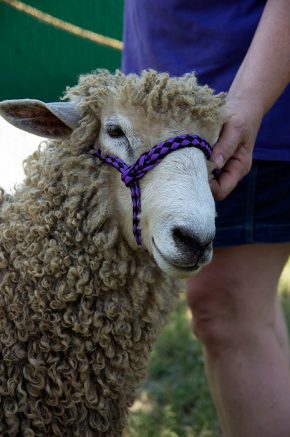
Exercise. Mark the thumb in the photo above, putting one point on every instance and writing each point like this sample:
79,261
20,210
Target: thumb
226,145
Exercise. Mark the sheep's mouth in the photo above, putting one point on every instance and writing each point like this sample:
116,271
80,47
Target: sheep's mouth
176,264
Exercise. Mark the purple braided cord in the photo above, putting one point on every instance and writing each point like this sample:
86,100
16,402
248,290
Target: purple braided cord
130,174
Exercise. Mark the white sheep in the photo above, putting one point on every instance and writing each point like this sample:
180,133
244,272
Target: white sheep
81,303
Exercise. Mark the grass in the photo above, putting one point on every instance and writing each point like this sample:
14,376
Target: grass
174,400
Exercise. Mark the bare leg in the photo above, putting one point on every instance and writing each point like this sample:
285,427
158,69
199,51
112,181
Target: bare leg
282,330
238,320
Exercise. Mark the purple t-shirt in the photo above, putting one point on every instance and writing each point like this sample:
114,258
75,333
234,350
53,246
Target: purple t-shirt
209,37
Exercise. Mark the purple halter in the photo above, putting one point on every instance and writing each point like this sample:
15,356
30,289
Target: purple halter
130,174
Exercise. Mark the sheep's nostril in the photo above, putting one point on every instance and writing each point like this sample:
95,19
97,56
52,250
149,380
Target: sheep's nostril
188,242
184,239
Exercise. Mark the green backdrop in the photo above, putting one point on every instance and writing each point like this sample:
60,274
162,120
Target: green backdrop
39,61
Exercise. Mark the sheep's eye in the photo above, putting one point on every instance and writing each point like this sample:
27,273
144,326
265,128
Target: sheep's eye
115,131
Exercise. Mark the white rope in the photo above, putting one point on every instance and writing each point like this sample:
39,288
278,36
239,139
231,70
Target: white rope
64,25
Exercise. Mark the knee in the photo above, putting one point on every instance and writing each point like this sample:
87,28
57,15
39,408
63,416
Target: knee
217,312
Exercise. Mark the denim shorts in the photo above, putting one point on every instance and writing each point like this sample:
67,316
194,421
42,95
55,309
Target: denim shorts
258,210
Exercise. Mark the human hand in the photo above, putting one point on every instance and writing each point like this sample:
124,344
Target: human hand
234,149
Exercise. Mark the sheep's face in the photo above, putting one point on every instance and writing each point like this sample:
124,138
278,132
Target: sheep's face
177,207
130,115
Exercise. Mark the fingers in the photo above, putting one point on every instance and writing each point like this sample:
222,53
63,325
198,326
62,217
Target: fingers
233,155
224,184
232,173
227,144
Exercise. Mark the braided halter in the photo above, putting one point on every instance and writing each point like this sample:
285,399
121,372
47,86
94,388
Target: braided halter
130,174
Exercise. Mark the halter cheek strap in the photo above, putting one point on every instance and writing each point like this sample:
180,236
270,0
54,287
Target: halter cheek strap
130,174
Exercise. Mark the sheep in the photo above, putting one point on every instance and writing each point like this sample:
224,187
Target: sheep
81,303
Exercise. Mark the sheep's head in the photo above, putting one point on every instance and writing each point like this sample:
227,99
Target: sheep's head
126,116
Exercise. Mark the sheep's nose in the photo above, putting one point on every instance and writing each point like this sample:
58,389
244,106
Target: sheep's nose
190,245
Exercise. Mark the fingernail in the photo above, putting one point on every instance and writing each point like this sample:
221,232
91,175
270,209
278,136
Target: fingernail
219,161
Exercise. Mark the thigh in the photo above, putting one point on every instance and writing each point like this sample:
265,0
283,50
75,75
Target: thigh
239,284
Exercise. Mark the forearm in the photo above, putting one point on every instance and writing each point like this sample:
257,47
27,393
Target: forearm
265,71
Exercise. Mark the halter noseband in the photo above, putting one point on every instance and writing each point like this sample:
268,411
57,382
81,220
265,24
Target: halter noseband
130,174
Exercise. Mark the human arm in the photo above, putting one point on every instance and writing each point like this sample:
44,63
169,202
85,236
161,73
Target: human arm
261,79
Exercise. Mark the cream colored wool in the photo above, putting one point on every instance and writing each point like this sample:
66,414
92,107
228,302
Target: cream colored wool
79,309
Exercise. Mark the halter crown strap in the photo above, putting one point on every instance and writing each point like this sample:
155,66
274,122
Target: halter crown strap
130,174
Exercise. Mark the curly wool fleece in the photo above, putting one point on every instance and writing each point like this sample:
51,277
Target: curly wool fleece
79,309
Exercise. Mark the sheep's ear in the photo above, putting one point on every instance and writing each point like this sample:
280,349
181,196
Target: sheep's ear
51,120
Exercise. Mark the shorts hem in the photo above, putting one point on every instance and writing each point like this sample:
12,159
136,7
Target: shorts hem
239,235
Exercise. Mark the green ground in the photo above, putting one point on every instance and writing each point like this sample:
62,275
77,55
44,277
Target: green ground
174,400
